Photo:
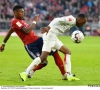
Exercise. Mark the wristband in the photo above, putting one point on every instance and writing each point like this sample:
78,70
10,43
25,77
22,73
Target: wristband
34,22
3,43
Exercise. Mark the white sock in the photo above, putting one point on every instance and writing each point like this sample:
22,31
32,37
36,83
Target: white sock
68,63
35,62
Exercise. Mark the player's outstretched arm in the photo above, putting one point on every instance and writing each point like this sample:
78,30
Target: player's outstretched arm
30,28
6,39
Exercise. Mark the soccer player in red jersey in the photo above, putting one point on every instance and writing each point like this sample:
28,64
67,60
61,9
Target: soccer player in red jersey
32,43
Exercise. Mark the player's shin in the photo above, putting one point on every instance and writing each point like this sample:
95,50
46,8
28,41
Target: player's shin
67,63
59,62
36,62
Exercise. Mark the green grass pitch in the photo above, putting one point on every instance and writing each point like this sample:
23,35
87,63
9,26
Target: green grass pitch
85,61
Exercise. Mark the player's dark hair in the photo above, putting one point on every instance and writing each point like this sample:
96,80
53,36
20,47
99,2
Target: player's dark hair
17,7
81,16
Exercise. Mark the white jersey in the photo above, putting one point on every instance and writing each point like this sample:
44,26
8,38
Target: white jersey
62,24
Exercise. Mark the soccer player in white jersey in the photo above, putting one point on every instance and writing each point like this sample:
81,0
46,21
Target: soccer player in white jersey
57,27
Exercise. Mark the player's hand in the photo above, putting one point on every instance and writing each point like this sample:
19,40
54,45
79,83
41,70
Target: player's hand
2,48
36,18
45,29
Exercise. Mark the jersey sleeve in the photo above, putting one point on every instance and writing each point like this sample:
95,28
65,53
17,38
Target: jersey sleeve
70,19
16,24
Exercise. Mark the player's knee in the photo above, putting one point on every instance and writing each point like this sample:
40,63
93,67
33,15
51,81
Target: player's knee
68,52
52,53
44,56
65,50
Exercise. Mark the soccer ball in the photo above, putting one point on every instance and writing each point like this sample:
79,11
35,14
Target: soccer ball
77,36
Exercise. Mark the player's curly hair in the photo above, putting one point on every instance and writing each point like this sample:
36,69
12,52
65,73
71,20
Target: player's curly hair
17,7
81,16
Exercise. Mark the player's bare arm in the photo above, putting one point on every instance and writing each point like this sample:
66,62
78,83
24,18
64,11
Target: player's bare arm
30,28
45,29
6,39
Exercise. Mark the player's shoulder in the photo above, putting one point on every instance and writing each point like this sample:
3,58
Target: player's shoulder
14,20
71,19
71,16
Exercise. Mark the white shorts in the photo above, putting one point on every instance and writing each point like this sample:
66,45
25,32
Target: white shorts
51,42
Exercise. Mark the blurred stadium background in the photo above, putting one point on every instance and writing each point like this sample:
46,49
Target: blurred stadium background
49,9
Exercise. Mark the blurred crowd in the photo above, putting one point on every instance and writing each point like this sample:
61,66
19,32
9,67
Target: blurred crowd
49,9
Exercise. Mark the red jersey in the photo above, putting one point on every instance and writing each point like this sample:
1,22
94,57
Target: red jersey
17,25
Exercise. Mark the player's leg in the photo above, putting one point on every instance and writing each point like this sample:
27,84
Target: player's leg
67,58
37,61
58,61
24,75
33,65
48,44
40,66
67,62
56,56
60,46
34,50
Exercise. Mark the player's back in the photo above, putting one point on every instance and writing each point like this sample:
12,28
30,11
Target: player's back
62,24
